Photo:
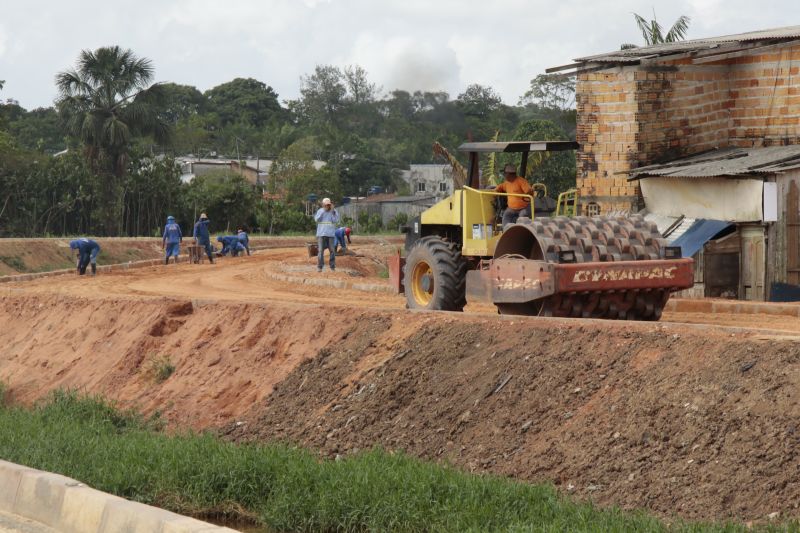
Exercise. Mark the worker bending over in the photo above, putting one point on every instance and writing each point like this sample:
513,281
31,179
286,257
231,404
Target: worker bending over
244,240
171,241
87,251
518,206
341,234
326,219
230,245
202,237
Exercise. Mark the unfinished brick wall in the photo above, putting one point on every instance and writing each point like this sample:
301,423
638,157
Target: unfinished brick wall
606,131
639,115
681,110
765,89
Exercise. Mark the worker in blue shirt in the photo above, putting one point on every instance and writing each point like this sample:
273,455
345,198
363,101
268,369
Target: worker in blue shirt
341,235
326,219
171,242
87,251
244,239
230,245
202,237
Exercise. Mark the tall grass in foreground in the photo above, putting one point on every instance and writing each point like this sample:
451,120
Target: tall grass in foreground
286,488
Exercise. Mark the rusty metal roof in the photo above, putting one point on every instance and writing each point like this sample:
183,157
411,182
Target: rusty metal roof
723,43
726,162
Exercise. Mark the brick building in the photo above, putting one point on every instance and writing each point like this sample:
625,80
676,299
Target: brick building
654,104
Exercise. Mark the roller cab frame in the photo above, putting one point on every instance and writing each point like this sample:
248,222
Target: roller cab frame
600,267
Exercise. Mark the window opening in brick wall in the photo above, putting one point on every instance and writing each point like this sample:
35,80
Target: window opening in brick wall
421,186
593,209
443,187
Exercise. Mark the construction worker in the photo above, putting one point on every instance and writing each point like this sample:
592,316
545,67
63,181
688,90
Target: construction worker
230,245
326,219
244,240
341,235
87,251
171,242
517,206
202,237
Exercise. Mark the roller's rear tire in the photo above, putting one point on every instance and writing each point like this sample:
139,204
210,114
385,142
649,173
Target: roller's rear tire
435,276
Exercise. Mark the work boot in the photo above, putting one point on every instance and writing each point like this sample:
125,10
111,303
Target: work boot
94,269
166,260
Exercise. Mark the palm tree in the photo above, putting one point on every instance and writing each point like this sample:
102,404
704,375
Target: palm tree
107,102
653,32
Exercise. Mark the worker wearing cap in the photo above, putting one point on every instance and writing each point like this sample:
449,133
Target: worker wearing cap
518,206
171,242
244,240
202,237
341,235
87,251
326,219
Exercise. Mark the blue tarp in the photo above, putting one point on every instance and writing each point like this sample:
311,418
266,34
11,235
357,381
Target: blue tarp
702,231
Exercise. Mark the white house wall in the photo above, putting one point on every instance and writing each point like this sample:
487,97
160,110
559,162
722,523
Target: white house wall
735,200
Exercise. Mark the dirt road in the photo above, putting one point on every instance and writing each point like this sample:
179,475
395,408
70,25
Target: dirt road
287,275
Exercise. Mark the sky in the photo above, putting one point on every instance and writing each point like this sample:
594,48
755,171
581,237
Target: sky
403,44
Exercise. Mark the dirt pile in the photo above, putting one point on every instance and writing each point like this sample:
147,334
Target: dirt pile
676,420
226,357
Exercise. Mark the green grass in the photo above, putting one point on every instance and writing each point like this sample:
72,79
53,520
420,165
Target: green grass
285,488
14,262
160,367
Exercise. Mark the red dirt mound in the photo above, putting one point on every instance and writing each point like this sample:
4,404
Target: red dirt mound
675,420
226,357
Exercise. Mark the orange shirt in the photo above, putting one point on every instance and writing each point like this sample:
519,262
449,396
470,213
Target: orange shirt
521,186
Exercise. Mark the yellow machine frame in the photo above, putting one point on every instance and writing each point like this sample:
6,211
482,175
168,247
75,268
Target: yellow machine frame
473,210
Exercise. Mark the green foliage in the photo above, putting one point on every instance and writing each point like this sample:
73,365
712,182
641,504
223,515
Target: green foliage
284,488
160,367
225,196
479,101
14,262
400,219
181,102
106,103
243,100
110,114
653,33
369,223
555,169
39,129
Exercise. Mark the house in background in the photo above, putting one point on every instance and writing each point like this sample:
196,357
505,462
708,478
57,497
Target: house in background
255,171
387,206
699,134
429,180
739,214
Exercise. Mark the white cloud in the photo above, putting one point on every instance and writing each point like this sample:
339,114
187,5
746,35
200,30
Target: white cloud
3,40
409,44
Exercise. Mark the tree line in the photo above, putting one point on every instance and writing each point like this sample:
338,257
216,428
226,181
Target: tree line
101,159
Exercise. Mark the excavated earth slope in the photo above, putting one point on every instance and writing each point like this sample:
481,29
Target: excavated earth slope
699,421
673,419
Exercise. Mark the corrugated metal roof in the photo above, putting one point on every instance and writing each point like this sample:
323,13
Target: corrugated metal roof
726,162
706,43
670,227
680,229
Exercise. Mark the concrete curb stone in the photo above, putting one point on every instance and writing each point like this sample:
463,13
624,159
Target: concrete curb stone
71,507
